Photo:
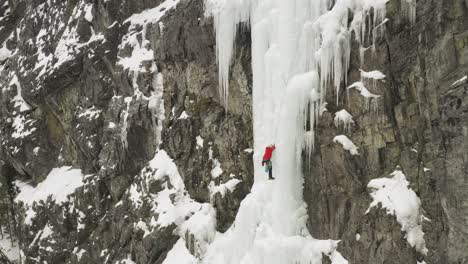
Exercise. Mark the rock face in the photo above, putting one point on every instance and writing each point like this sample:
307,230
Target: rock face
420,125
88,84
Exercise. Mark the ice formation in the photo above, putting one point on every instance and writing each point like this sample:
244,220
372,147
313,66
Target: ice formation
394,195
410,7
343,118
370,99
299,49
459,81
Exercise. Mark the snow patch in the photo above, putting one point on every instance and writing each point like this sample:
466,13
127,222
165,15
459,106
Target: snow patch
199,142
183,115
20,103
4,54
60,183
223,188
179,254
128,260
359,86
370,99
343,118
79,253
347,144
89,13
10,248
152,15
91,113
394,195
20,127
457,82
216,171
374,75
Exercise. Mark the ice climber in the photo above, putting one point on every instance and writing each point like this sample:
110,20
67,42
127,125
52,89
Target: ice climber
267,160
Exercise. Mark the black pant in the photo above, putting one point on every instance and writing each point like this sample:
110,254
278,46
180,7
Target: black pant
270,168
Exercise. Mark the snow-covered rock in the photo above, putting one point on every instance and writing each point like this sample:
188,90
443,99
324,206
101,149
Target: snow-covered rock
347,144
397,198
343,118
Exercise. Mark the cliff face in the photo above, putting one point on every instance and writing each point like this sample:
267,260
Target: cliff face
104,85
420,125
86,86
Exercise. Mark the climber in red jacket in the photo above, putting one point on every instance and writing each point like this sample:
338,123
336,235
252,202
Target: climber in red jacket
267,160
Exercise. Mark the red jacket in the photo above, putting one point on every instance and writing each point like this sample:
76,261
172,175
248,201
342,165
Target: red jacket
268,152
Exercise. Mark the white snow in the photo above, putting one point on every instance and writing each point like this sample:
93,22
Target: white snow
347,144
141,53
202,225
395,196
359,86
135,38
91,113
171,211
124,123
20,103
152,15
20,124
173,205
370,99
457,82
343,118
4,54
358,237
89,13
216,171
11,250
36,150
180,255
374,75
46,232
248,150
79,253
223,188
60,183
199,142
128,260
183,115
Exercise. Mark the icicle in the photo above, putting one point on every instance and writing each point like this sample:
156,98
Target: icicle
410,8
343,118
227,15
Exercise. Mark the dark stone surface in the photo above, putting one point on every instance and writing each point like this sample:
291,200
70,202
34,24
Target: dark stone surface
116,143
419,110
